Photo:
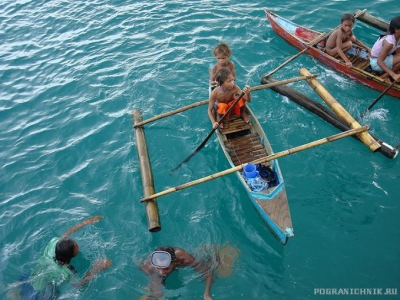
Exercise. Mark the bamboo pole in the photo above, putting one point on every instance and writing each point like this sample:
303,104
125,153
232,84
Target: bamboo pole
373,21
255,88
365,137
282,82
153,218
268,158
173,112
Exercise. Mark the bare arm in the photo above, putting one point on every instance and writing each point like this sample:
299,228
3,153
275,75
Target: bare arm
233,71
207,273
212,75
339,46
386,48
155,285
99,265
84,223
247,90
210,110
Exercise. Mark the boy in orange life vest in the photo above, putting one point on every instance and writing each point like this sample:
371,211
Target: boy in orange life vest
222,53
342,39
224,95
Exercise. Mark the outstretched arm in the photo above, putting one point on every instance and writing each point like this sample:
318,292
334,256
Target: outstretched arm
99,265
79,226
208,274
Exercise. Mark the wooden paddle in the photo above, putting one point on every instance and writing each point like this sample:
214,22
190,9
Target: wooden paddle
209,135
311,44
325,140
379,97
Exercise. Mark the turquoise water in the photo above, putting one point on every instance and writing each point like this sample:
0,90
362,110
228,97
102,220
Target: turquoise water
71,73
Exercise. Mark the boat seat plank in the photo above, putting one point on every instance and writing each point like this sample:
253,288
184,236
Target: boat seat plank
246,147
244,142
248,157
234,124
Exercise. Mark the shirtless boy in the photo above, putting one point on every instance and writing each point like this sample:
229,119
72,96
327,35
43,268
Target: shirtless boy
224,95
342,39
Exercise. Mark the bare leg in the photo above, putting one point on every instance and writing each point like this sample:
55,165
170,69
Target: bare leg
245,116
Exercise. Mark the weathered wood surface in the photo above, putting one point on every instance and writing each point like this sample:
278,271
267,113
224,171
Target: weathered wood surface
365,137
324,113
278,209
153,218
373,21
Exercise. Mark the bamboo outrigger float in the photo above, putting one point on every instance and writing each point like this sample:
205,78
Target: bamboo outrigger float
325,114
153,218
371,20
365,137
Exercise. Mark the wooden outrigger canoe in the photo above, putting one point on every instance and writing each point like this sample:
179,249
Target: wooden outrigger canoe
243,143
300,37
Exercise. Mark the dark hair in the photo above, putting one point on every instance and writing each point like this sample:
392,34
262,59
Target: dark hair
348,17
222,47
65,250
168,249
393,25
222,75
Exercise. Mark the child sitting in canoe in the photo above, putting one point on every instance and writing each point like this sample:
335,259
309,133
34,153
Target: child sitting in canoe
224,95
342,39
222,53
385,54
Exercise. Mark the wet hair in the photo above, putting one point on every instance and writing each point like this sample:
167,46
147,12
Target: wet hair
222,48
222,75
348,17
65,249
168,249
393,25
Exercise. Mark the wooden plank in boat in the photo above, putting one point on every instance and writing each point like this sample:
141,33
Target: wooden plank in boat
234,125
253,140
248,157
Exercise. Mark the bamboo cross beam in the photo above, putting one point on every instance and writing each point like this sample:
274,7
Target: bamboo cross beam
268,158
255,88
173,112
